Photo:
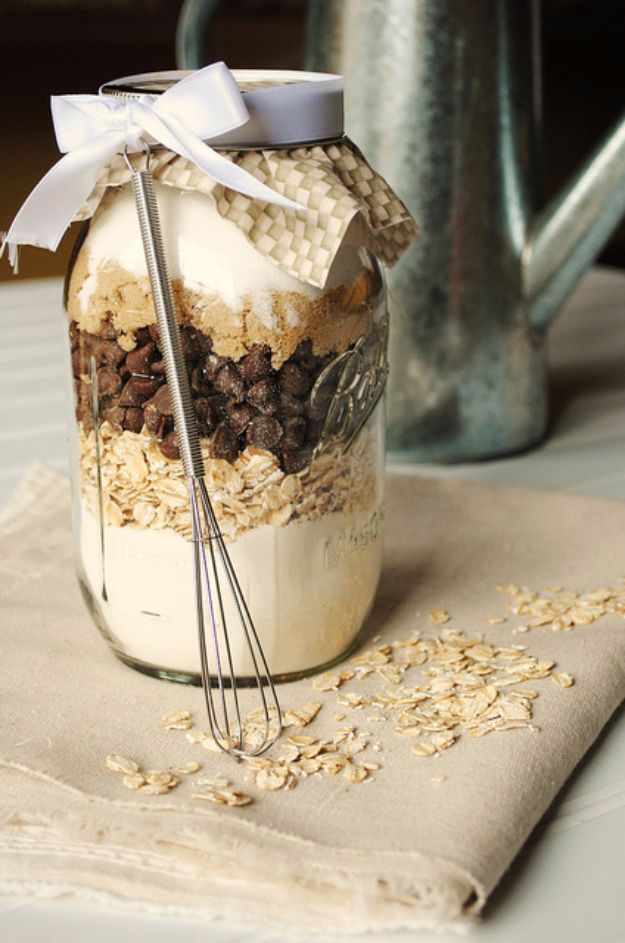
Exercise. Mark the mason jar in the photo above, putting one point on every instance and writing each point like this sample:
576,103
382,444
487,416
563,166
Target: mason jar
287,379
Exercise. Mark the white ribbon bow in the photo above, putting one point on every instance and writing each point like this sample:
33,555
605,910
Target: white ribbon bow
90,129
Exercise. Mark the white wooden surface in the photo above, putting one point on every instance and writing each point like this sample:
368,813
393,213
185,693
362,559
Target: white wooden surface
569,883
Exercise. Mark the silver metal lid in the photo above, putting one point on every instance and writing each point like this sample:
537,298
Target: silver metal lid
285,108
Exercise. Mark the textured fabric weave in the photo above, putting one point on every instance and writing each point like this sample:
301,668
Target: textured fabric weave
332,181
400,850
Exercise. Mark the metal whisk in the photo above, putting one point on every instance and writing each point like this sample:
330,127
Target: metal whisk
212,563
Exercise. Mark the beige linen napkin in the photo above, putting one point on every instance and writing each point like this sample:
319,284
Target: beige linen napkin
420,843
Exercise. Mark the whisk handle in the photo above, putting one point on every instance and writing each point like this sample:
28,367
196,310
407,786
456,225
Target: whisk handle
175,367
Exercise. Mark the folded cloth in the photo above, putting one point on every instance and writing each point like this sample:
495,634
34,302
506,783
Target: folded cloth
423,839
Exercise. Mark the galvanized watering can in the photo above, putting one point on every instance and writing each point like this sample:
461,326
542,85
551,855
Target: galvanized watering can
444,98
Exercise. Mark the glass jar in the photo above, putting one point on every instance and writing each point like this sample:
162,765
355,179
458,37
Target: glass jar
286,379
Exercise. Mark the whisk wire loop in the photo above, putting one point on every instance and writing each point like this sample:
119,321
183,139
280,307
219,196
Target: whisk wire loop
220,736
224,711
262,673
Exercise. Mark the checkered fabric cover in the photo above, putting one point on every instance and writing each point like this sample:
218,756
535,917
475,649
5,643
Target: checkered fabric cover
333,181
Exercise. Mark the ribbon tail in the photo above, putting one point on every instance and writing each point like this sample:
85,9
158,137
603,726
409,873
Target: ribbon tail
51,206
171,132
13,252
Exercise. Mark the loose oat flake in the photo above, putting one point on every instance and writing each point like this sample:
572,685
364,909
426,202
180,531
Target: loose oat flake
154,782
439,616
161,778
229,797
301,716
270,780
179,719
121,764
424,749
354,774
430,691
466,687
562,609
187,769
154,789
329,681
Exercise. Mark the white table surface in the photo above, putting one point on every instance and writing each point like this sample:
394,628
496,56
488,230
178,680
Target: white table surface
569,882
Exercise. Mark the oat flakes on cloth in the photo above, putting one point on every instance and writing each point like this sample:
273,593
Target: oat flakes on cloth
418,842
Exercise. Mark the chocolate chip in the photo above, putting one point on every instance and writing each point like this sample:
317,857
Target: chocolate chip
230,382
81,389
142,336
137,390
153,329
191,349
235,403
315,428
133,420
218,403
169,445
109,381
240,414
83,403
106,352
139,361
291,406
264,396
155,422
294,433
74,334
294,379
322,399
264,432
86,418
295,461
199,382
80,361
107,331
205,342
304,355
161,401
212,365
115,415
224,443
195,344
208,412
257,364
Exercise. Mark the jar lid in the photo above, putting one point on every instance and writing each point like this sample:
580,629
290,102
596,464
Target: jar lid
285,108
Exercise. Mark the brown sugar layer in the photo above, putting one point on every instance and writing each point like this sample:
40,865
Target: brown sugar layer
279,319
238,404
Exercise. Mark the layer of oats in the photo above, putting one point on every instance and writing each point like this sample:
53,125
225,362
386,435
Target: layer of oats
142,488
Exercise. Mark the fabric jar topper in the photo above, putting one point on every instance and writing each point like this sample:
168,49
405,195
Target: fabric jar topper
91,129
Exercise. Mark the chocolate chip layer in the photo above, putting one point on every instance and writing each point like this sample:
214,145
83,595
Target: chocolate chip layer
237,403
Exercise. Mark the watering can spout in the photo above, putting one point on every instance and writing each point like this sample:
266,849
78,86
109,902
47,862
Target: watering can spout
573,228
